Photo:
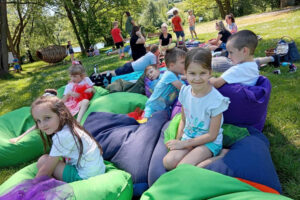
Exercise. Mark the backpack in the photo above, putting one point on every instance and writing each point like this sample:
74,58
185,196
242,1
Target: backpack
287,50
100,79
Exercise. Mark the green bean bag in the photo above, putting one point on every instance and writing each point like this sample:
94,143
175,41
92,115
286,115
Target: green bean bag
114,184
119,103
30,147
188,182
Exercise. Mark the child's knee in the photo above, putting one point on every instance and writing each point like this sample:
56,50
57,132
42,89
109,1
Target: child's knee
170,162
85,102
42,160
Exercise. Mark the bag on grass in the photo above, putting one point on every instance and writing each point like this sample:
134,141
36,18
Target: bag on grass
287,49
100,79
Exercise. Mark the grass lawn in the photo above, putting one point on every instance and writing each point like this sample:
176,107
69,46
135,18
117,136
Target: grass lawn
282,126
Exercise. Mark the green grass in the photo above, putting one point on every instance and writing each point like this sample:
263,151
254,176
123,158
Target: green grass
282,126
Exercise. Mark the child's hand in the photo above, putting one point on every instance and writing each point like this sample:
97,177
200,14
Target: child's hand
74,94
89,90
14,140
174,145
183,77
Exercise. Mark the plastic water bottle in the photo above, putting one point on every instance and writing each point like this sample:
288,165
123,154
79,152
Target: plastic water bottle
105,81
95,69
284,64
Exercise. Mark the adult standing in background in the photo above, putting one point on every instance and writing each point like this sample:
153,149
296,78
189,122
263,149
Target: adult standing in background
231,26
137,43
129,23
70,50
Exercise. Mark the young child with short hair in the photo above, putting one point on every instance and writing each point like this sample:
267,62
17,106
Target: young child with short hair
118,38
199,135
240,47
81,152
167,88
192,21
78,91
177,27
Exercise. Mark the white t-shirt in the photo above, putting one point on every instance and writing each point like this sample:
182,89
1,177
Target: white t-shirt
199,110
245,73
144,61
91,162
70,85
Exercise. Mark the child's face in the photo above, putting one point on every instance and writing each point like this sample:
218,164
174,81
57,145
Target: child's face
217,27
76,78
235,55
46,120
191,13
153,73
197,76
227,20
178,67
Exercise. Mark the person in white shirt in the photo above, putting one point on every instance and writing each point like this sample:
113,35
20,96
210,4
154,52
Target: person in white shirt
240,47
82,155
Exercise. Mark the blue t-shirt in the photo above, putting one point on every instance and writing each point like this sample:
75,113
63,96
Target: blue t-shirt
164,94
144,61
199,111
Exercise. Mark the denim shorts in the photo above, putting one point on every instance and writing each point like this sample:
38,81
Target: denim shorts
223,46
179,33
125,69
70,174
192,28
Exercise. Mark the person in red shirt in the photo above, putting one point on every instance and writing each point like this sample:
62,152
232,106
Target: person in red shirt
118,39
177,27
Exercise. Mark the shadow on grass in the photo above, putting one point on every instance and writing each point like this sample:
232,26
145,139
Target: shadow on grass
286,158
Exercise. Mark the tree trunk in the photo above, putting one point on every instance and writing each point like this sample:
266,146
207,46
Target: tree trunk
70,16
83,29
227,6
4,52
221,8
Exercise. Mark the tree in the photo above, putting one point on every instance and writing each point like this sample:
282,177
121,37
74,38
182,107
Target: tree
3,39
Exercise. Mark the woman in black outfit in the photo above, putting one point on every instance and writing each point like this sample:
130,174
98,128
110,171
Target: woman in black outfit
137,43
165,39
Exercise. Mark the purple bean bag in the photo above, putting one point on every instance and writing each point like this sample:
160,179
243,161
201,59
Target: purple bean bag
249,159
126,143
249,104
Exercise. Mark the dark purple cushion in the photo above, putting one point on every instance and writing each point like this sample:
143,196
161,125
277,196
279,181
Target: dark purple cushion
248,105
126,143
249,159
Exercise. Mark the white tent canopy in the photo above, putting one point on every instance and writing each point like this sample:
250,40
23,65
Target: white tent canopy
170,12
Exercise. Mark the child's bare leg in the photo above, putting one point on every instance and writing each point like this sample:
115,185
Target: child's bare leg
58,172
192,34
212,159
173,157
195,33
197,155
16,139
263,60
84,104
177,42
183,40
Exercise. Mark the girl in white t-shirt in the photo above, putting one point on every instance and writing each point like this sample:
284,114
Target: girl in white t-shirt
199,135
78,91
82,154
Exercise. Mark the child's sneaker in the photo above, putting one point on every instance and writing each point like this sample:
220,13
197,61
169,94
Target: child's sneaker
276,61
293,68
